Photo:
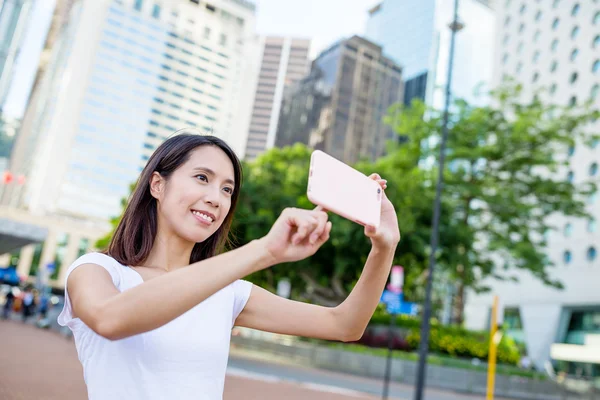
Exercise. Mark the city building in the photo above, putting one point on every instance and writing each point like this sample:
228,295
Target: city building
46,244
339,107
552,45
124,76
14,17
415,34
284,62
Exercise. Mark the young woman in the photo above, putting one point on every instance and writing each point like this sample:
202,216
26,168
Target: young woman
152,317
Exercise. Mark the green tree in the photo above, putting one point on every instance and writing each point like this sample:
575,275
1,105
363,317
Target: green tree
279,178
505,177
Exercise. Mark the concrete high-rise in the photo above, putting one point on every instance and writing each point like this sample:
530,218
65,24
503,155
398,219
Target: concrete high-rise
339,107
553,45
125,75
284,63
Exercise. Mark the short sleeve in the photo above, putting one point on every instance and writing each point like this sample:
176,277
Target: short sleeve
65,318
241,294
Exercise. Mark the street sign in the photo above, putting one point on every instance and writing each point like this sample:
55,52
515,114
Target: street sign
396,305
396,279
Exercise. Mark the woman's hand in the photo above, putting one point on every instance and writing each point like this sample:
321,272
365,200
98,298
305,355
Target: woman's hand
297,234
387,235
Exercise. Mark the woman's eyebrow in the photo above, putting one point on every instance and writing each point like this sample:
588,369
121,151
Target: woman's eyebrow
212,173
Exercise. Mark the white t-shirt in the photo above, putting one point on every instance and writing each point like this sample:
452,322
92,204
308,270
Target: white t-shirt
184,359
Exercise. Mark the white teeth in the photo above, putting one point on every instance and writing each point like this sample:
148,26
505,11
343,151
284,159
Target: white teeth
203,216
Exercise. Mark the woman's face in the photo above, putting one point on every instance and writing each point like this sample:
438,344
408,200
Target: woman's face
196,198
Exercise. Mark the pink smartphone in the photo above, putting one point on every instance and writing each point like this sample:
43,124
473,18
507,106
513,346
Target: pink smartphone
341,189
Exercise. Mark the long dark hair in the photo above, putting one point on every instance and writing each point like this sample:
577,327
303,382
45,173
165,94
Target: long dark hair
134,237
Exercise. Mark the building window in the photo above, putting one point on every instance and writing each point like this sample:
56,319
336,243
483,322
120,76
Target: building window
156,11
538,15
138,5
536,36
568,230
571,150
574,54
519,67
593,169
591,225
553,66
504,58
555,3
520,48
575,32
523,9
521,28
592,198
573,77
591,254
596,19
507,20
575,10
573,101
223,39
554,45
553,88
596,66
570,177
536,57
567,257
594,92
506,38
596,42
207,33
535,78
555,23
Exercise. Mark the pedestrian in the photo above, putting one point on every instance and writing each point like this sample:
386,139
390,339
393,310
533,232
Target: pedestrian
8,303
44,304
28,305
152,316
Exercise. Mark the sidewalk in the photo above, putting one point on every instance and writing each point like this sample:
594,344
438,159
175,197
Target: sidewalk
43,364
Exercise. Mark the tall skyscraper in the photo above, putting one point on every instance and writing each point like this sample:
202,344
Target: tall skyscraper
555,45
339,107
125,75
415,34
284,62
14,16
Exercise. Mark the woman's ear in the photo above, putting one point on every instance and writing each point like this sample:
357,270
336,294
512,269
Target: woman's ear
157,185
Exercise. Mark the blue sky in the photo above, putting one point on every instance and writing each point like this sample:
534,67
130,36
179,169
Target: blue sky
322,21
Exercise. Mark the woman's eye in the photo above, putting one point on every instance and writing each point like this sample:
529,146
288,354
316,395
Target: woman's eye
228,190
202,177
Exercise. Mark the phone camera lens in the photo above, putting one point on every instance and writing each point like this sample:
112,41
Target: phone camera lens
378,190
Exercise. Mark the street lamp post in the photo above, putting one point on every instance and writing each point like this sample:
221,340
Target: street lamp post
455,26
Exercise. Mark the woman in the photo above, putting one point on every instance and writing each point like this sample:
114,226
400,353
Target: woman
152,318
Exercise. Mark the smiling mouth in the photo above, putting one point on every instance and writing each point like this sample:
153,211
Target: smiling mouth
204,217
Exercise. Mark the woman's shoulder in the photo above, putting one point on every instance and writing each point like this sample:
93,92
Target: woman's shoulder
104,260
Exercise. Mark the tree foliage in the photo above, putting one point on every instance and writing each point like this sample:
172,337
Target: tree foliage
505,177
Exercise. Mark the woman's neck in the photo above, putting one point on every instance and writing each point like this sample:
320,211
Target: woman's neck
169,252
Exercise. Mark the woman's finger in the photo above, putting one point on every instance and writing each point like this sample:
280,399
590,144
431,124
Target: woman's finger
305,224
319,228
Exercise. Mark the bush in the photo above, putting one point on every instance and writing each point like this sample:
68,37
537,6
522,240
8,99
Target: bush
451,340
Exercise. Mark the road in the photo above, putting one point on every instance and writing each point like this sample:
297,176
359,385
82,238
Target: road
36,364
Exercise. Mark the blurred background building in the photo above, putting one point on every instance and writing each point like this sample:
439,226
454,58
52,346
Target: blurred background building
284,62
124,76
415,34
14,16
339,107
555,46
